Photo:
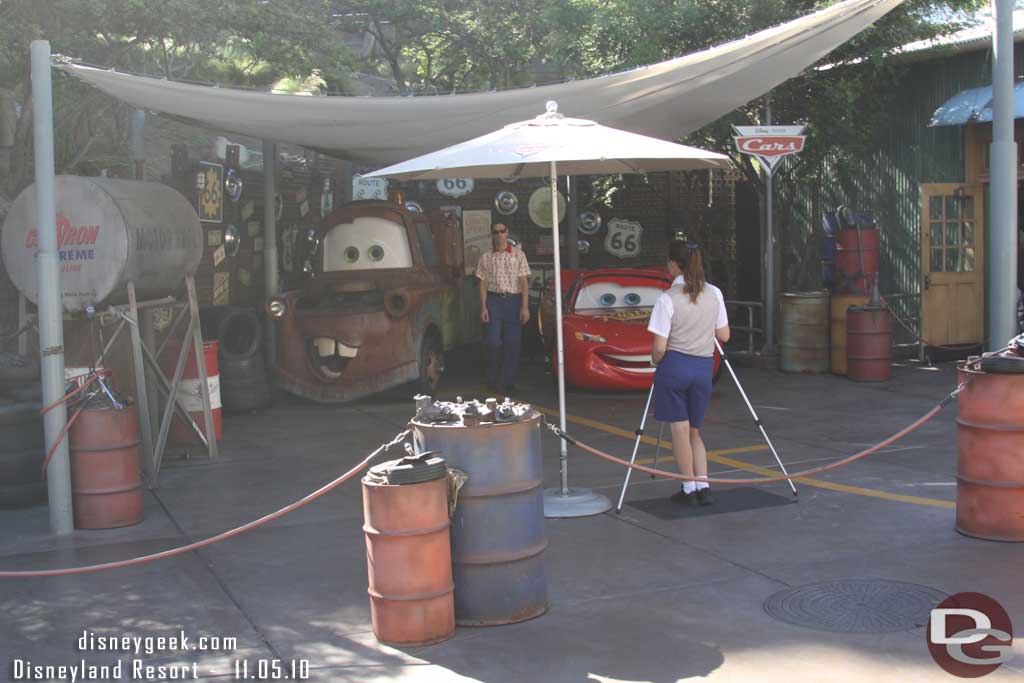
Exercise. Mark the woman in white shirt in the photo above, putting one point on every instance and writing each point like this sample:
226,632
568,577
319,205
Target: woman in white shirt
685,322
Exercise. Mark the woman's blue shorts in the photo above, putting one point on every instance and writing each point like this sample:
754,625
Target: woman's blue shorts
682,388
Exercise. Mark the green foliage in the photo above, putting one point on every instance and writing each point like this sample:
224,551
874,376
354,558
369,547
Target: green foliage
239,42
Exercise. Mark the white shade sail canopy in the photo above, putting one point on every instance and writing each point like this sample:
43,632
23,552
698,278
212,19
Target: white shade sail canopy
665,100
580,147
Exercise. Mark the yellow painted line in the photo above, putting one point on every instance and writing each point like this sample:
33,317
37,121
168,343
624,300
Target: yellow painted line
719,457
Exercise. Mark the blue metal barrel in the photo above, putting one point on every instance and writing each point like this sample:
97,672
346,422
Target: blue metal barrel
497,532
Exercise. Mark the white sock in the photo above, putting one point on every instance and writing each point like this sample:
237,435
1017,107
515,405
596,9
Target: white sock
702,485
689,487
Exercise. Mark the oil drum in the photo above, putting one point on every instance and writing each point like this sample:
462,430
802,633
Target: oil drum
805,319
990,456
869,343
188,393
106,484
849,250
498,536
408,551
841,302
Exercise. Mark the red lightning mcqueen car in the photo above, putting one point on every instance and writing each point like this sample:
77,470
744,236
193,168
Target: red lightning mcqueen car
606,311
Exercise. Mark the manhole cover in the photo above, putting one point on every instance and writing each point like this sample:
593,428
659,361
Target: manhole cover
855,605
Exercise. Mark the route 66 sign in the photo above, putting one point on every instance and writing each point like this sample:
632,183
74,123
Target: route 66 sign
455,187
369,188
623,239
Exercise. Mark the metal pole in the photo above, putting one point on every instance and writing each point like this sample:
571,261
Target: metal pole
636,447
769,251
757,420
1002,270
51,323
141,393
560,350
572,239
270,261
137,143
565,502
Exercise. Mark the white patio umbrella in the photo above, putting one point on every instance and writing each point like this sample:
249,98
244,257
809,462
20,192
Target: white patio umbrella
545,146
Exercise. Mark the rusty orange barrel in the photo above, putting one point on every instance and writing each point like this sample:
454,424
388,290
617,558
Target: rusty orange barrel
106,484
868,343
181,434
854,247
840,303
990,456
408,551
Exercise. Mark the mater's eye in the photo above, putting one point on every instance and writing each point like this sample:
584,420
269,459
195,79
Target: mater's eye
351,254
376,252
632,299
607,299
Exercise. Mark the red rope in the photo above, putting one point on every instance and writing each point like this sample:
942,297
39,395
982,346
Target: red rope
763,480
219,537
60,437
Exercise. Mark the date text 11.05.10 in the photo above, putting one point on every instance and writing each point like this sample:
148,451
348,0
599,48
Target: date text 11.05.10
270,669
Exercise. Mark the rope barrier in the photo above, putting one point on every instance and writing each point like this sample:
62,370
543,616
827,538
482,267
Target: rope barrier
765,480
383,448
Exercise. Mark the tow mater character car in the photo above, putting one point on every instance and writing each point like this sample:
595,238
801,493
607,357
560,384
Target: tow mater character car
386,295
606,311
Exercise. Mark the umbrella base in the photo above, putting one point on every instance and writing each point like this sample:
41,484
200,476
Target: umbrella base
574,503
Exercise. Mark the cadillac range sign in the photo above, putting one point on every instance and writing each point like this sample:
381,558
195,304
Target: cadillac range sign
770,143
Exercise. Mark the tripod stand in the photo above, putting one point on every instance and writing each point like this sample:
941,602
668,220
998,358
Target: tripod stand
643,422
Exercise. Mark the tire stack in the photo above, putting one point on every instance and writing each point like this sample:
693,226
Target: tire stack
244,386
22,444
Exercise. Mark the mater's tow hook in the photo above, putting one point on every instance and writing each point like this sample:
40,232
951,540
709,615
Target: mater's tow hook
471,413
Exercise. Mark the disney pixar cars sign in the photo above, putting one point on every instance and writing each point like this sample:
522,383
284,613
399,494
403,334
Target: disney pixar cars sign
769,143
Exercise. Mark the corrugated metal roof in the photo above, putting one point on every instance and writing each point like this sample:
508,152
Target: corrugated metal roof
975,38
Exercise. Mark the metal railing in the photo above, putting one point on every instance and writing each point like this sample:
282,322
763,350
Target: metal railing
749,328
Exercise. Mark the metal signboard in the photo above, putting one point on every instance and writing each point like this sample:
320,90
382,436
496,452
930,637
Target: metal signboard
455,187
623,238
770,144
211,192
369,188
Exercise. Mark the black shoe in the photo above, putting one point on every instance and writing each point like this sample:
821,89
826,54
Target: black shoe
686,499
704,497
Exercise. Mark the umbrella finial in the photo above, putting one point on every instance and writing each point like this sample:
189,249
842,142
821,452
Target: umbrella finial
551,107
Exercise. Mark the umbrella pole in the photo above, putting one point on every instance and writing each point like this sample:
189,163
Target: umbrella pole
563,501
563,459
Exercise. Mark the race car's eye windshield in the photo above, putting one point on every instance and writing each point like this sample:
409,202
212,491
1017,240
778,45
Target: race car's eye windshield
598,297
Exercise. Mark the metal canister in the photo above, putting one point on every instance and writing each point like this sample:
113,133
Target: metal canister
840,304
868,344
498,536
408,551
990,456
805,320
106,482
109,233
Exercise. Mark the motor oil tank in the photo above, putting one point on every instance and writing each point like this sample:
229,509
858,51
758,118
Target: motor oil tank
109,232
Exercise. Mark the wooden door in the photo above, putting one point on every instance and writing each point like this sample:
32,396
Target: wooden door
952,237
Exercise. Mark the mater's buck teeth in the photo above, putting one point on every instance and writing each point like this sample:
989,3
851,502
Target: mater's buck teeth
327,347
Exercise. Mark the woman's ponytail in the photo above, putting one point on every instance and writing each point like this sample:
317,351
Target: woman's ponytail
688,257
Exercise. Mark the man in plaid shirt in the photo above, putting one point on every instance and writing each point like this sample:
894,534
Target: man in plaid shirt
504,306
